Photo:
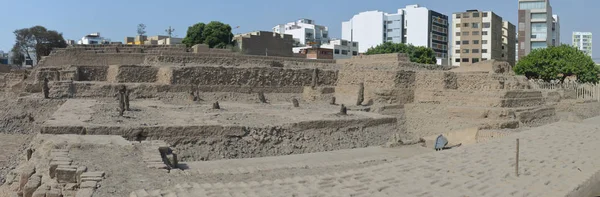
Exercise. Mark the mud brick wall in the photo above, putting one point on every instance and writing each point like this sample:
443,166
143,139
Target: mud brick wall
253,77
91,59
92,73
381,86
224,59
132,74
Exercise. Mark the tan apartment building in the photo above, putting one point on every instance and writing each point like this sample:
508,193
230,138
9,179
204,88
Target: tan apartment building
481,35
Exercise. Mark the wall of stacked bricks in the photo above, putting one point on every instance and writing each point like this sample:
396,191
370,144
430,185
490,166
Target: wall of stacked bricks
106,55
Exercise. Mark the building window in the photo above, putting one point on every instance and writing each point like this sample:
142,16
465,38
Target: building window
538,16
483,50
344,52
474,50
389,22
457,60
486,25
475,33
458,16
485,14
465,33
355,53
532,5
465,42
476,15
465,51
475,60
483,59
539,30
457,25
502,47
475,41
465,15
465,59
538,45
484,33
337,51
465,24
483,41
475,25
457,51
325,35
503,55
457,33
457,42
354,44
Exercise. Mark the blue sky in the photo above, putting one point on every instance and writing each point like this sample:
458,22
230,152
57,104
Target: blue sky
116,19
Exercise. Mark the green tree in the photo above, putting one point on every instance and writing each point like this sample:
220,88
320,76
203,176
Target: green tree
213,34
17,58
37,40
194,35
216,32
558,63
422,55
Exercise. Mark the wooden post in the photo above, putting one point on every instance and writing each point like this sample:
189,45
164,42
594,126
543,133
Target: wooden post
517,160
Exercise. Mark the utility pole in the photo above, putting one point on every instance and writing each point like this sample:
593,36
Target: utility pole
170,31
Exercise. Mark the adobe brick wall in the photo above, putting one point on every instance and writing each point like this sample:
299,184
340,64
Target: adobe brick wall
266,44
254,77
91,73
132,74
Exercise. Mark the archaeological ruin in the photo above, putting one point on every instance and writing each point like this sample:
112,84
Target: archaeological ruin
154,120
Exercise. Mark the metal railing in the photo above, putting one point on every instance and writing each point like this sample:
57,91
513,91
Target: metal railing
585,91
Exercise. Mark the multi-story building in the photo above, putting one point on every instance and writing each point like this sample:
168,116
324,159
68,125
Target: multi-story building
413,24
93,38
479,36
342,49
555,30
583,41
537,26
4,58
304,32
152,40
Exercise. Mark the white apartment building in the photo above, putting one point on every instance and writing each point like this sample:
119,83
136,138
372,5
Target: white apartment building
93,38
583,41
304,32
413,24
342,49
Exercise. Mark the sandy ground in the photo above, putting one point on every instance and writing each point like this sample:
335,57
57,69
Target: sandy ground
126,171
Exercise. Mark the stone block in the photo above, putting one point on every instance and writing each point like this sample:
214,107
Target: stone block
32,184
62,158
25,175
88,184
70,186
92,174
55,164
85,192
66,175
54,193
97,179
40,192
79,172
